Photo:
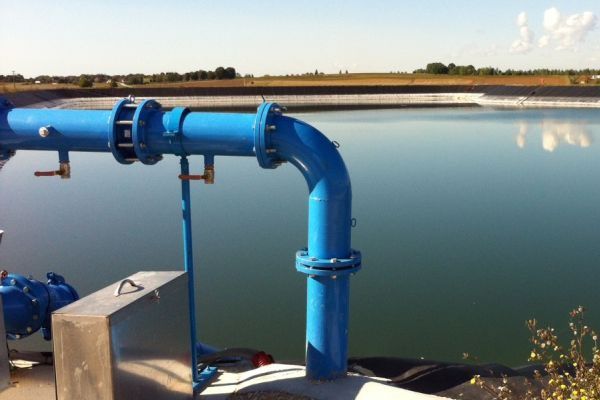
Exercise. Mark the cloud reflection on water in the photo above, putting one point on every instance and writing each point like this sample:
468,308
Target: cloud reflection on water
555,133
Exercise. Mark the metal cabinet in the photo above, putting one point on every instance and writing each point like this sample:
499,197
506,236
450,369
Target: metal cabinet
132,345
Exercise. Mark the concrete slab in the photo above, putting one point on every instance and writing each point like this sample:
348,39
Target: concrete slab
289,379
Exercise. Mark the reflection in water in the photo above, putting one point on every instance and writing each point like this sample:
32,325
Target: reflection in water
523,127
556,132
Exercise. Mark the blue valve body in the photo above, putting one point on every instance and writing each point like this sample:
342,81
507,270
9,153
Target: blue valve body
28,303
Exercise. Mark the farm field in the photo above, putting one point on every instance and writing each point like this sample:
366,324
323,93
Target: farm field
359,79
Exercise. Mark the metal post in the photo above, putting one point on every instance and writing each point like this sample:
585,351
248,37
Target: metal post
188,260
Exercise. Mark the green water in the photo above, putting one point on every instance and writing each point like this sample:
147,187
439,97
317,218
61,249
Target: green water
470,221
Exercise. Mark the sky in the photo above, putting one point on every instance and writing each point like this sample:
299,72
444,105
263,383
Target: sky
61,37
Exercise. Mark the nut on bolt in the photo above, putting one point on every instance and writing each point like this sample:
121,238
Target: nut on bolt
44,131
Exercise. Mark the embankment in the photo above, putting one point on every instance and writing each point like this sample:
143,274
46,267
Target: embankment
321,97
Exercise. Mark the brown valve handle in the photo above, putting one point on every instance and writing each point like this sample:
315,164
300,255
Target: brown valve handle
46,173
191,177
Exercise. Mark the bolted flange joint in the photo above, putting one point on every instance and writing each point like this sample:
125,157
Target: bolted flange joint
127,131
265,125
328,266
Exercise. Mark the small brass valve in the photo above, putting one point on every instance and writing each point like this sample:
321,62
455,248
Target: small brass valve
64,171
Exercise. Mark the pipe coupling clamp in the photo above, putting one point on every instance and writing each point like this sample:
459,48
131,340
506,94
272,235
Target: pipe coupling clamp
328,266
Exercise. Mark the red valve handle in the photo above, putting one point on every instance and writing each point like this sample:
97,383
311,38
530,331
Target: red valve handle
45,173
191,177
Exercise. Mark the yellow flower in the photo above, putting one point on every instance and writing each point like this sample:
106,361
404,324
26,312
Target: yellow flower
563,386
473,381
532,355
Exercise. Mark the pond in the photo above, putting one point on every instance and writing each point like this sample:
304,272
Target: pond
470,221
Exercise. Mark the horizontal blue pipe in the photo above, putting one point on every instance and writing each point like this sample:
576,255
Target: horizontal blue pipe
72,130
79,130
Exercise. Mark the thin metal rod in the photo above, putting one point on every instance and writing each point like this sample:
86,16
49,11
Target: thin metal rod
188,259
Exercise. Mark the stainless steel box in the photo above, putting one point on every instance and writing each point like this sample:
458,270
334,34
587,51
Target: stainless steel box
132,346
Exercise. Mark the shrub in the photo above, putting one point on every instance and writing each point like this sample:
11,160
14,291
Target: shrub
569,375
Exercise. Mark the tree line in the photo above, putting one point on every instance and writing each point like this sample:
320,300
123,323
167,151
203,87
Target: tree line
439,68
87,80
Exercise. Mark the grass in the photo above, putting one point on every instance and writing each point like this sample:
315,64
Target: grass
368,79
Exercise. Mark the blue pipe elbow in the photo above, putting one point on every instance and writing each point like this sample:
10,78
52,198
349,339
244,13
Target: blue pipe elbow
329,260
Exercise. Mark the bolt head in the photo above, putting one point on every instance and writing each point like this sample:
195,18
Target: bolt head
26,289
29,329
13,282
44,131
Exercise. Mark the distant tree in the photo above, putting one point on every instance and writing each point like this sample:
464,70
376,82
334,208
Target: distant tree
134,79
173,77
436,68
112,83
346,72
486,71
202,75
220,73
316,72
211,75
43,79
229,73
85,81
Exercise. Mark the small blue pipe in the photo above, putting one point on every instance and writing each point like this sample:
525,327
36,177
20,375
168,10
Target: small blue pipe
188,260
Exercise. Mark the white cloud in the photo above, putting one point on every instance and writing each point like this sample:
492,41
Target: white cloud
524,43
566,32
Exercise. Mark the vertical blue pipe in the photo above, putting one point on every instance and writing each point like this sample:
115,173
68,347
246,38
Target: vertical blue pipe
188,260
329,219
327,327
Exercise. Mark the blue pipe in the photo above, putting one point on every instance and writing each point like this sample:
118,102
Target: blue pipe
28,303
188,259
143,132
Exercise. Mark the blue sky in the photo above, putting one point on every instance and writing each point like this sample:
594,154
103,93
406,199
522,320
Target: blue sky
278,37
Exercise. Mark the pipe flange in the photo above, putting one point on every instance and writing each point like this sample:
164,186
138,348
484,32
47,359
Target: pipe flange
138,133
264,123
328,266
119,131
23,294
